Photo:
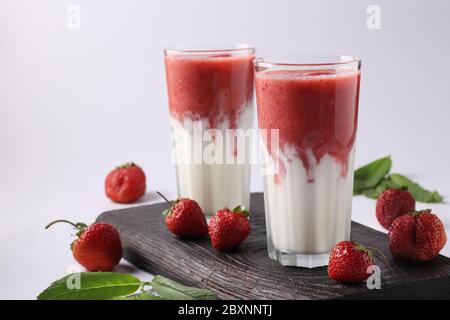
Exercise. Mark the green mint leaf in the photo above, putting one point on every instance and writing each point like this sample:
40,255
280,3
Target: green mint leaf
169,289
371,180
374,192
371,193
91,286
418,192
370,175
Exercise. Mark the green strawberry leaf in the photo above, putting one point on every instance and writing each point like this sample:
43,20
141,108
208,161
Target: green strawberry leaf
418,192
419,212
91,286
126,165
362,248
370,175
241,210
169,289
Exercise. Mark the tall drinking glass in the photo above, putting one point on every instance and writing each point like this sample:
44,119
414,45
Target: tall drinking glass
210,90
307,109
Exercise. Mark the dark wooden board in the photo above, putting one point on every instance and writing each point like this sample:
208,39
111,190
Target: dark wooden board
248,273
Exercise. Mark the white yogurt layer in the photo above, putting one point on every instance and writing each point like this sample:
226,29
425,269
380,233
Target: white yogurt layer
213,181
308,217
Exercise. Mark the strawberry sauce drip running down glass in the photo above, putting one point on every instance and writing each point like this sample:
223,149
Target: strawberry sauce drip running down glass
316,112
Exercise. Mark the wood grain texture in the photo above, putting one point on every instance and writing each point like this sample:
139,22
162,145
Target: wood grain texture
248,273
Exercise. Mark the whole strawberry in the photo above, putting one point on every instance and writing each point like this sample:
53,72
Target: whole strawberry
125,184
184,217
228,229
349,262
98,247
393,203
418,236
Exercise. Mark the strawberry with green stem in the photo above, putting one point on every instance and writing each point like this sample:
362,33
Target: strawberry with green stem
349,261
97,248
418,236
229,228
184,217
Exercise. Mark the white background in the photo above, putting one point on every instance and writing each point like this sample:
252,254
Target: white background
76,103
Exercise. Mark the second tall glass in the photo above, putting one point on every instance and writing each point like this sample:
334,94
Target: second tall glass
210,91
309,103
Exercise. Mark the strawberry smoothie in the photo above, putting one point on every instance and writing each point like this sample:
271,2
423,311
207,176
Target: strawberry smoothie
308,195
210,95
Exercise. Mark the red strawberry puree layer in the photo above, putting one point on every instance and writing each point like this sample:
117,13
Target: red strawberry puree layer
315,112
215,87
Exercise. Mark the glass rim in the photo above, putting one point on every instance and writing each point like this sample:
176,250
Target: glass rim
307,60
209,48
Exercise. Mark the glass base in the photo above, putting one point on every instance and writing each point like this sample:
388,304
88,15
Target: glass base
287,258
